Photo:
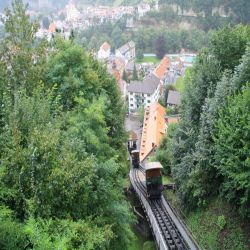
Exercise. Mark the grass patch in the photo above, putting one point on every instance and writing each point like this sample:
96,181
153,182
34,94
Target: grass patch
152,59
179,85
167,179
137,243
206,225
125,182
171,197
215,227
149,245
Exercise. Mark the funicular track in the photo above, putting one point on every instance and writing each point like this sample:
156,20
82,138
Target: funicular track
168,230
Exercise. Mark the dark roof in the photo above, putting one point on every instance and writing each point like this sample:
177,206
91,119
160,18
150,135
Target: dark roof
147,86
174,97
126,47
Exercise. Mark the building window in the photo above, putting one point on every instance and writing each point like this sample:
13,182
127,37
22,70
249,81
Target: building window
131,105
148,95
148,101
131,99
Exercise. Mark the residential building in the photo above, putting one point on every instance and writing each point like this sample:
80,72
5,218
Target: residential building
127,51
72,13
104,51
162,71
163,68
154,128
143,93
174,98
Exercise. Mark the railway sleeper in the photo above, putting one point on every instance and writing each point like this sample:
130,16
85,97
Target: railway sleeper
180,246
170,242
172,247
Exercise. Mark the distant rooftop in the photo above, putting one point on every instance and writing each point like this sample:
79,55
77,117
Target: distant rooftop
105,46
126,47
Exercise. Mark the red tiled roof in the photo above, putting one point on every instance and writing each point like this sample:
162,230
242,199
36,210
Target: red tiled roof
153,129
105,46
52,28
162,68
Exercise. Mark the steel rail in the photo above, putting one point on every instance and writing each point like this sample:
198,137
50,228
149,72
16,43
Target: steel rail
169,231
141,191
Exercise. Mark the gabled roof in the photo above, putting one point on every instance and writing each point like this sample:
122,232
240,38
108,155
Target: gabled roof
162,68
105,46
126,47
174,97
153,129
147,86
52,28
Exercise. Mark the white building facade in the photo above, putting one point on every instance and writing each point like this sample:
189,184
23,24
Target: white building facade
127,51
143,93
104,51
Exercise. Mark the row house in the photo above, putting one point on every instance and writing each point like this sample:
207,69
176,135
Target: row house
154,129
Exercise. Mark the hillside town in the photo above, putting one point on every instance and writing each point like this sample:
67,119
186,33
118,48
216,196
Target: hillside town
142,84
71,18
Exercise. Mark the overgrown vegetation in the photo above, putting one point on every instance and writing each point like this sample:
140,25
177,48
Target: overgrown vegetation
216,227
148,38
209,151
61,145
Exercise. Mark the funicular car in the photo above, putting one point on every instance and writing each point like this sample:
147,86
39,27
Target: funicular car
135,158
154,180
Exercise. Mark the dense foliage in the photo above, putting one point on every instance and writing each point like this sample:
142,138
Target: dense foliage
210,152
164,153
238,10
148,38
61,145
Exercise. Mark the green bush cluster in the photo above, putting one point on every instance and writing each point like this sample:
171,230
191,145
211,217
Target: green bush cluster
61,145
209,151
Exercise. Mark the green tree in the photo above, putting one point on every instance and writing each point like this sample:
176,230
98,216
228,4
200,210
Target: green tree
160,46
135,74
165,152
193,152
61,146
232,143
24,59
